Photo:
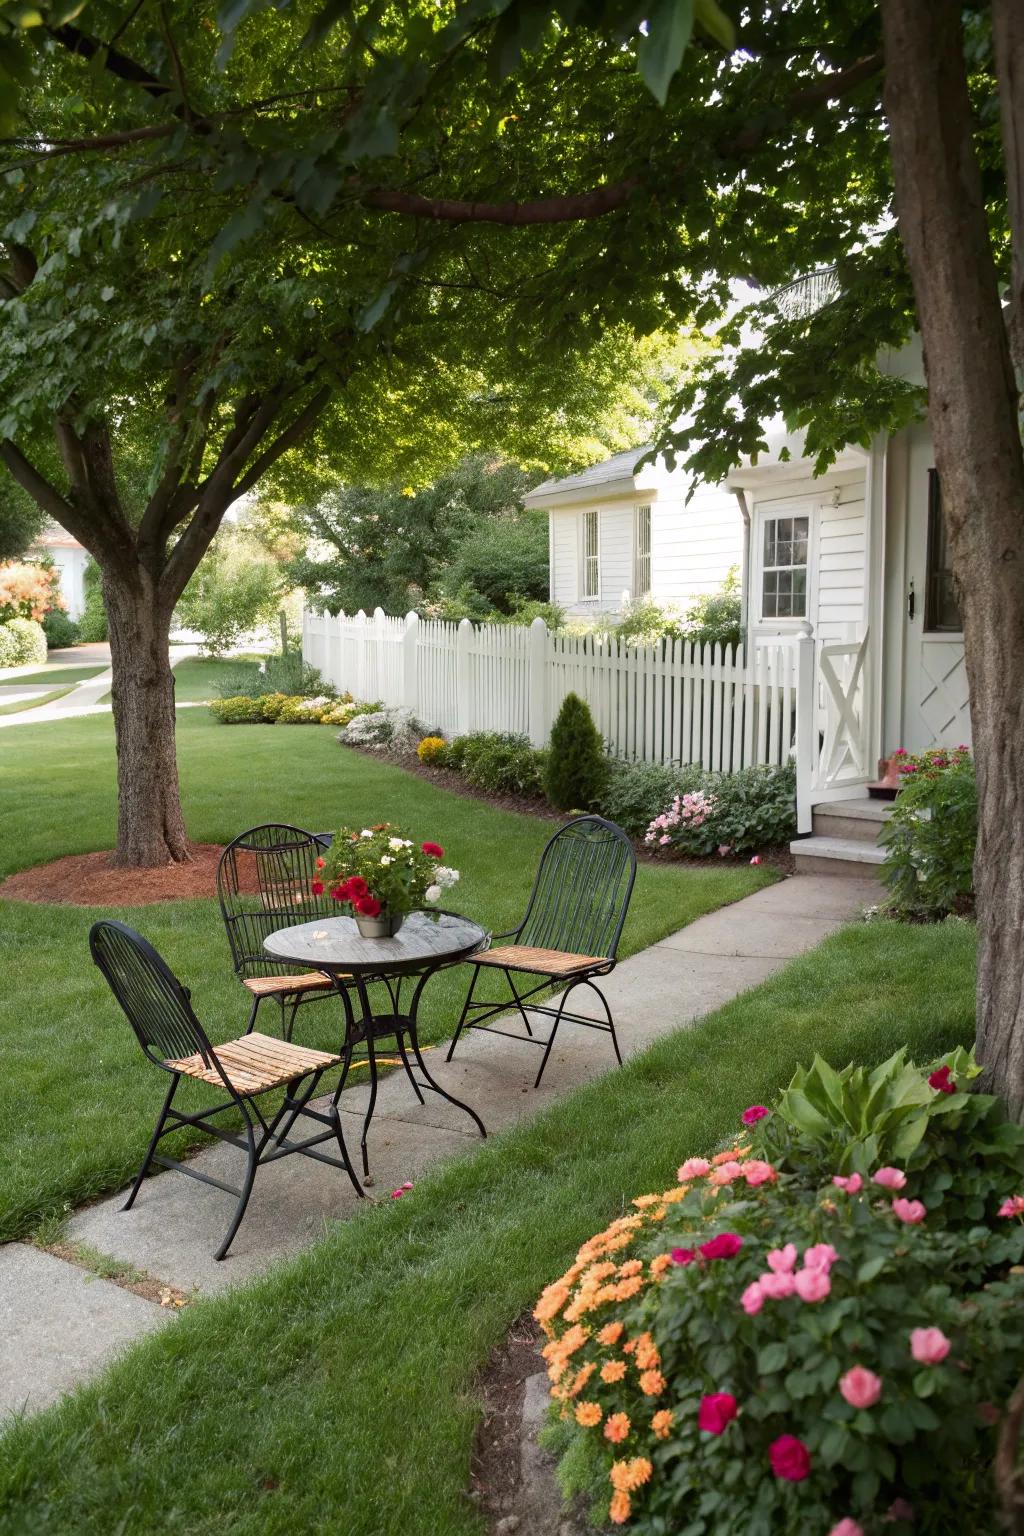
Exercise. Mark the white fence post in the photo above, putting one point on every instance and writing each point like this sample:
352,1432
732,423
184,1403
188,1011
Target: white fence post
539,683
410,662
464,678
806,727
360,637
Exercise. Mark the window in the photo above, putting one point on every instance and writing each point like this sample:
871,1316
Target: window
941,609
591,559
642,553
784,568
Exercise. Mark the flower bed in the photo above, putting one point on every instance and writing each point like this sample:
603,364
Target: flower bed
289,709
798,1333
930,838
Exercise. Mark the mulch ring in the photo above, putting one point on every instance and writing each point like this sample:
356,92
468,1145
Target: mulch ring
89,880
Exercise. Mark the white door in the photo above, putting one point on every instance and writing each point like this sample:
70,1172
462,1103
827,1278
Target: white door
935,701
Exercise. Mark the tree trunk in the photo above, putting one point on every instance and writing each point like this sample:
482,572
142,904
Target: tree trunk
150,826
972,404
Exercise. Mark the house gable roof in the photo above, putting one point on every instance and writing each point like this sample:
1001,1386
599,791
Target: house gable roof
614,476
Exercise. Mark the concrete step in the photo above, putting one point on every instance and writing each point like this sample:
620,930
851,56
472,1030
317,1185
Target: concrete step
819,855
859,820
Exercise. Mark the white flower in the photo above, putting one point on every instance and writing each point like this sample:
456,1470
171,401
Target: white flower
396,843
366,832
386,858
433,893
445,877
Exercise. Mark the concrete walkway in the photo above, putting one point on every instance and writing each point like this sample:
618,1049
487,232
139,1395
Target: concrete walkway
176,1224
84,698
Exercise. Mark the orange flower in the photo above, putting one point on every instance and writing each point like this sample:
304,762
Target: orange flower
616,1427
627,1288
658,1214
729,1157
588,1414
582,1376
642,1201
646,1353
612,1332
631,1267
613,1370
552,1300
629,1346
618,1514
677,1193
651,1383
627,1475
659,1264
662,1423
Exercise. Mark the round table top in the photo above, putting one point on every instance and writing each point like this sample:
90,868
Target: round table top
335,944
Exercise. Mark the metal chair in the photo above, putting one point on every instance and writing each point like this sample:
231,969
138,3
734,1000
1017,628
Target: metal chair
570,933
160,1012
264,882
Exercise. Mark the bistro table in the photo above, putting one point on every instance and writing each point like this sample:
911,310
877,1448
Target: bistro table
426,943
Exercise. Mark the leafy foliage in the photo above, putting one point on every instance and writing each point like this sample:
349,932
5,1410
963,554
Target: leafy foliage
235,590
60,631
930,837
28,591
93,623
501,762
284,674
22,641
576,770
749,810
21,521
637,792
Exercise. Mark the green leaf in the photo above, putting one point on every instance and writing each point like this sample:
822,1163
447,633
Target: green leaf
660,53
870,1269
772,1358
375,312
713,20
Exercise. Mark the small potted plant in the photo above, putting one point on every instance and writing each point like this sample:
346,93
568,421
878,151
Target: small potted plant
381,876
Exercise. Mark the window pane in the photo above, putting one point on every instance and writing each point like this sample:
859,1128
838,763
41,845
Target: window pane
769,541
799,609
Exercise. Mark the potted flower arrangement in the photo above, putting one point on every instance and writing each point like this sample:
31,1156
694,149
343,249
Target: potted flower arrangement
380,875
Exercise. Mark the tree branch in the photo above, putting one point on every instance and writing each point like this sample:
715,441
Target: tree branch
287,439
45,495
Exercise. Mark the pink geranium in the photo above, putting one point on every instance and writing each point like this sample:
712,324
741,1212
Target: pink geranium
812,1284
1012,1206
752,1299
755,1113
929,1346
777,1285
757,1172
783,1260
726,1173
913,1212
820,1256
847,1527
852,1184
890,1178
683,1255
694,1168
860,1387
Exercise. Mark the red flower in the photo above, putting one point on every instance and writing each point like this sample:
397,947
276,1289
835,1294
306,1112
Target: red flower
339,893
755,1113
716,1412
320,863
790,1458
682,1255
433,850
725,1246
357,887
369,906
317,887
942,1081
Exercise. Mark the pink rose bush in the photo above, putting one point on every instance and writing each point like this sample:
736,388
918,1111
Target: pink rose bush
801,1349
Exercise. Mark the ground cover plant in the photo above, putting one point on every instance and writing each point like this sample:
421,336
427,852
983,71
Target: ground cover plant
391,1316
69,1064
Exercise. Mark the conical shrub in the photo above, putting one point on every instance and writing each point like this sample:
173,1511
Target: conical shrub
577,769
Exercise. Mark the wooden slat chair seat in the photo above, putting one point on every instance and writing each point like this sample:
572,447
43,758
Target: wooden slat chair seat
254,1063
271,986
569,934
540,962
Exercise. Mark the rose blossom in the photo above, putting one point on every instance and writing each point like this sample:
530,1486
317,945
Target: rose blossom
890,1178
694,1168
820,1256
812,1284
790,1458
682,1255
910,1211
929,1346
783,1260
725,1246
726,1173
860,1387
716,1412
852,1185
847,1527
752,1299
757,1172
755,1113
1013,1205
777,1285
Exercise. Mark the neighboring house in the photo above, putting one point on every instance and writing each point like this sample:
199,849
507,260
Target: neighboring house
70,560
856,557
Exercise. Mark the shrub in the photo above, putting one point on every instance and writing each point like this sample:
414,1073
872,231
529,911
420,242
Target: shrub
715,619
500,762
60,631
8,647
24,643
931,835
754,808
235,589
377,728
303,711
238,711
285,673
28,590
637,792
757,1350
644,621
577,769
432,750
93,623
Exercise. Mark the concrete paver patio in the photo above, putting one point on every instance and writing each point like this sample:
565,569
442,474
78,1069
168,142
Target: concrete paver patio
176,1224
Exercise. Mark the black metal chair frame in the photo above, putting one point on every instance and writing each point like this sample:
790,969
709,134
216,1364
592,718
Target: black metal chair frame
160,1012
247,927
578,929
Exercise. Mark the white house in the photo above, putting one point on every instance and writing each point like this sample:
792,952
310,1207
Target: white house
70,560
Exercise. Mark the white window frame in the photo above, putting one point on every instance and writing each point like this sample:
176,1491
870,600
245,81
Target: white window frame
586,557
770,511
643,513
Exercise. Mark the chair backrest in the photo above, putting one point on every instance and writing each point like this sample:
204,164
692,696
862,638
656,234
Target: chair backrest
264,882
152,997
582,891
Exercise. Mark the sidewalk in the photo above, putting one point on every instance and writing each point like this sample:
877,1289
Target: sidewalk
176,1224
84,698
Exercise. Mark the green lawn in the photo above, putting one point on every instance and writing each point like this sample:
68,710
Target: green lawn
197,677
338,1392
57,672
19,707
77,1098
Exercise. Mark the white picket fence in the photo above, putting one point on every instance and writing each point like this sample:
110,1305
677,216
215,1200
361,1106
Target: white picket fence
672,702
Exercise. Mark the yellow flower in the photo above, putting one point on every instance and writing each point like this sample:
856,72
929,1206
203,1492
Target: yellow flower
588,1414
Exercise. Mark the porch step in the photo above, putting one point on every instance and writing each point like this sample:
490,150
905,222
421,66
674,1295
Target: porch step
861,820
821,855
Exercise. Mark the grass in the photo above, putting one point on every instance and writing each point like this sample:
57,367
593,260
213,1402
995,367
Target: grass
197,677
18,706
77,1098
341,1386
57,672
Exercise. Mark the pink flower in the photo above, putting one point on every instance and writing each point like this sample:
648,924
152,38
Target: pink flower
756,1173
716,1412
723,849
407,1184
860,1387
942,1081
820,1256
752,1299
783,1260
683,1255
725,1246
756,859
929,1346
812,1284
663,839
1012,1206
890,1178
776,1286
726,1173
755,1113
847,1527
852,1184
396,1194
900,1509
910,1211
693,1168
790,1458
